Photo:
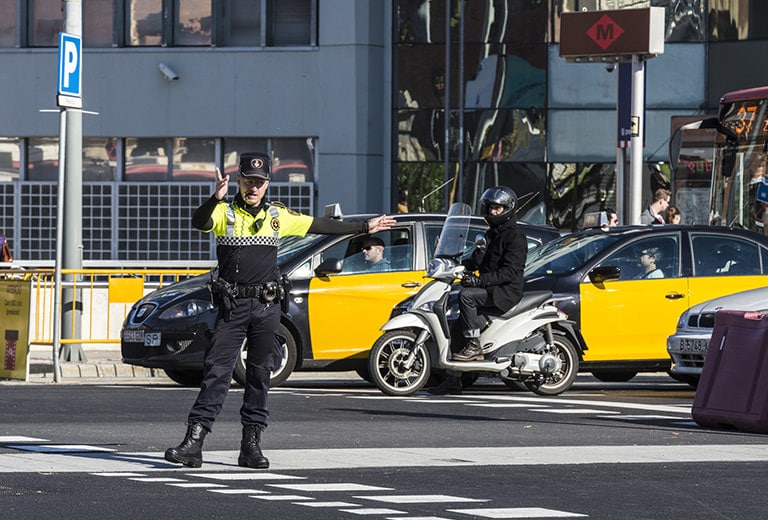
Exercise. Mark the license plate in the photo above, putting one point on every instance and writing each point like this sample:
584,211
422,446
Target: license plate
694,345
151,339
133,336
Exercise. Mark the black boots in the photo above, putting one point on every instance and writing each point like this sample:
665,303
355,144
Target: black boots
250,451
451,385
470,352
190,451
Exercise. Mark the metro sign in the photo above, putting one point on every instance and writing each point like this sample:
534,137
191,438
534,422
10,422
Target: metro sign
605,32
614,35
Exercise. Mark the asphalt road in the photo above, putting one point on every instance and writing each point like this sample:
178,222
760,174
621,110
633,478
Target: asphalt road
340,449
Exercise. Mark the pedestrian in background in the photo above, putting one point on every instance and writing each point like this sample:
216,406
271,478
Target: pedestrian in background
248,292
672,215
654,214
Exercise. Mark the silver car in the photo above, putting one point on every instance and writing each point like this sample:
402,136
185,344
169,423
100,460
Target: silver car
689,344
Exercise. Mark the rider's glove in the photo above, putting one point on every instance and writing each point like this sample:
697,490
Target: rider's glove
470,280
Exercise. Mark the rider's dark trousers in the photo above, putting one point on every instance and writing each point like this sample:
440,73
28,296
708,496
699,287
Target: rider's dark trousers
258,322
470,299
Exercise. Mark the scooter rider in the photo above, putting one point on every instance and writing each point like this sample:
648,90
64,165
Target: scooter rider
499,285
247,232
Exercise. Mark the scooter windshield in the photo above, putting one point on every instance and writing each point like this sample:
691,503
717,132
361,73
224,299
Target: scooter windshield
454,239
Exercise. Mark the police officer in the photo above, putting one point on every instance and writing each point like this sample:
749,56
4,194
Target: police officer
247,232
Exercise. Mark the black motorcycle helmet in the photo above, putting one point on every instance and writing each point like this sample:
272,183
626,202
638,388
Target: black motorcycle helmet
498,196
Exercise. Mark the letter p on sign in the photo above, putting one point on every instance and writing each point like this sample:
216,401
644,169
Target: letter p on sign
70,57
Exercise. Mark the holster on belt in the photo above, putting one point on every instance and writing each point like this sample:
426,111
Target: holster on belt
223,294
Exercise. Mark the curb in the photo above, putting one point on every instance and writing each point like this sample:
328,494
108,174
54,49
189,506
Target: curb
94,370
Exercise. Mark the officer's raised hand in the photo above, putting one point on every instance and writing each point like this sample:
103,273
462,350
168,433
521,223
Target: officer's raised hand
222,185
381,223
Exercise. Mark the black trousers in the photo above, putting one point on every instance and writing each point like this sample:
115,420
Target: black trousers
470,299
258,322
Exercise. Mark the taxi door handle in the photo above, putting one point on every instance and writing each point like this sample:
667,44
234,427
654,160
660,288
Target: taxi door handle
674,296
411,284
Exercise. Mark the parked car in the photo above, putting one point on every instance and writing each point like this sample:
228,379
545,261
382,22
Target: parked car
624,317
331,316
689,344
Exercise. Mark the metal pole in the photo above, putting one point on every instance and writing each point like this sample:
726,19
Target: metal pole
72,185
460,179
636,140
57,307
447,93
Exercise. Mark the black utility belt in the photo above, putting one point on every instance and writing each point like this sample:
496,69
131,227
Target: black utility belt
266,292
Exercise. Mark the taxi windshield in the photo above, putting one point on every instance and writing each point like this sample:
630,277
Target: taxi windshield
566,254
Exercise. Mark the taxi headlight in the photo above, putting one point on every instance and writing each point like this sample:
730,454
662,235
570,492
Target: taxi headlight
188,309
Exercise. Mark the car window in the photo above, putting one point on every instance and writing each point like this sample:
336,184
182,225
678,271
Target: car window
566,254
721,255
398,252
647,258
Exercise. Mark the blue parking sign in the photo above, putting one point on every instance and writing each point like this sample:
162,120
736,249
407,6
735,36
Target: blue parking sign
70,57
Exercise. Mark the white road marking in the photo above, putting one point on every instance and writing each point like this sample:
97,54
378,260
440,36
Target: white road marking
573,411
418,499
373,511
59,448
19,438
198,485
292,460
339,486
682,409
157,479
327,504
518,512
230,491
509,405
284,498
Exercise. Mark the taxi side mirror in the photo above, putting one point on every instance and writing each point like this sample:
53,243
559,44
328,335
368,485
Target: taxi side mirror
328,266
604,273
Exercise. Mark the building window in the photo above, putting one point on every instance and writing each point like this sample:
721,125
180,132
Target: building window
99,159
234,147
290,22
47,21
194,159
146,159
9,159
144,21
193,22
43,159
98,23
240,23
8,23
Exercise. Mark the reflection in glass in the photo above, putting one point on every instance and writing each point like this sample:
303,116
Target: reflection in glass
146,159
731,20
193,24
193,159
423,21
293,160
489,135
513,78
97,23
578,188
9,159
145,22
43,159
234,147
8,23
47,23
99,158
527,179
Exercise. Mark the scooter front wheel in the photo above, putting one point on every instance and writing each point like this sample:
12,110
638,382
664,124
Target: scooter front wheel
397,365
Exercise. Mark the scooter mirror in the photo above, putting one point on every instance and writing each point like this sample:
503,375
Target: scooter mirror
480,242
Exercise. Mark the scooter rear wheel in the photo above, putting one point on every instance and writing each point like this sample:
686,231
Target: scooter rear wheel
393,368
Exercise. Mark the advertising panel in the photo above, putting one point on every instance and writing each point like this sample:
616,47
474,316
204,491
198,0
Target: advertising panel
15,298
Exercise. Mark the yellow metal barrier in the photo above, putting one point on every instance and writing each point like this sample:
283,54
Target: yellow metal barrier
102,298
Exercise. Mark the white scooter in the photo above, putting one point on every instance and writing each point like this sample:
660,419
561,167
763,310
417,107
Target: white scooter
533,345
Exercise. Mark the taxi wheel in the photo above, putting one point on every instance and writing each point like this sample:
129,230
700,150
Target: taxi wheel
393,370
282,372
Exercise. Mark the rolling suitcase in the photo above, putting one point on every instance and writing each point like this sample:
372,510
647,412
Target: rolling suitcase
733,386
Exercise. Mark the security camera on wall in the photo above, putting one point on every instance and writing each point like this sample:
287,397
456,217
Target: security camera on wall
168,73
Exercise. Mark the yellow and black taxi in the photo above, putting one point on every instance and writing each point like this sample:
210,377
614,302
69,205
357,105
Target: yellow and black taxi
342,289
627,286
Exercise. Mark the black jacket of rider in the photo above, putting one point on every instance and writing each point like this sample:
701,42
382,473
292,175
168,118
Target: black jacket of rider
501,264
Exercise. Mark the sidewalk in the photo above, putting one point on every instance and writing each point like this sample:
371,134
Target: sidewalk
99,363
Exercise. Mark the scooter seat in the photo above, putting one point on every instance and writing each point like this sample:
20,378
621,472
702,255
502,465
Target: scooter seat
529,301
